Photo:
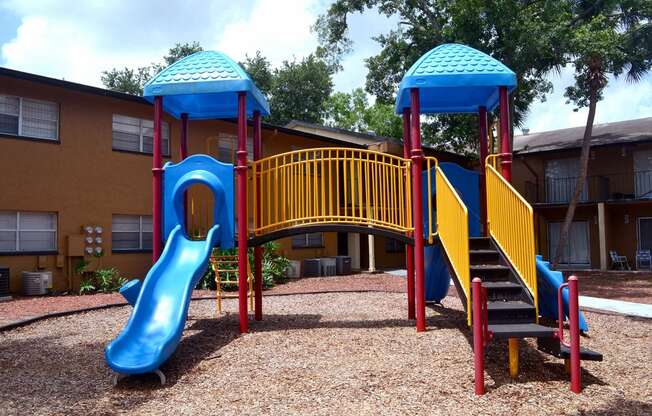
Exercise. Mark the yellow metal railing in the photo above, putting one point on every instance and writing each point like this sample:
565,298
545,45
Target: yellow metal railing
453,229
510,221
199,218
431,230
332,185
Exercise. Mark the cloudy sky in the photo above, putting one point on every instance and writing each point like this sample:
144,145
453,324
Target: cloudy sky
77,40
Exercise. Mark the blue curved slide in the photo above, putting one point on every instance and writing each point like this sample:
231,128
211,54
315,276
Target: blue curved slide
159,315
548,282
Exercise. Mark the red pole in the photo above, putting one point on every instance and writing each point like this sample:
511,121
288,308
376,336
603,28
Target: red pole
505,149
484,150
478,342
409,249
258,250
417,158
157,180
243,220
574,327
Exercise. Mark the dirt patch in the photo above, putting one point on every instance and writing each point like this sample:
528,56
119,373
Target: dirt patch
336,353
631,287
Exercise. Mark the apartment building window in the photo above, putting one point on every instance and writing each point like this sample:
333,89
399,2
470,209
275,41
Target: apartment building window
311,240
137,135
28,118
22,231
645,233
577,249
561,178
227,145
643,173
131,233
394,246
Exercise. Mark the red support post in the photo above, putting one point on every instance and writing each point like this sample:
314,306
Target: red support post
505,148
258,250
157,181
478,338
484,150
417,159
409,249
574,327
243,220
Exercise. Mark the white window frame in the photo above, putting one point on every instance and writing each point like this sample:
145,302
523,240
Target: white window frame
552,247
17,230
20,119
164,152
306,240
140,235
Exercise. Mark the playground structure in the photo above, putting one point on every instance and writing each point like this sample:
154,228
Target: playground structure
411,198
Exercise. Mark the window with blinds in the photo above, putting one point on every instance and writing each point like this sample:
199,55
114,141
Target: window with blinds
22,231
137,135
227,145
311,240
131,233
25,117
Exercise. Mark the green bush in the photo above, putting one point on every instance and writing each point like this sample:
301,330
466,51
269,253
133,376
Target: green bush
274,268
102,280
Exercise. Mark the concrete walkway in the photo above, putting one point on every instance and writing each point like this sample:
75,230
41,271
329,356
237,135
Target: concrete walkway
641,310
619,306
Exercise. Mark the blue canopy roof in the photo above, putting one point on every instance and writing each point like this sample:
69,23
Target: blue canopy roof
205,85
455,78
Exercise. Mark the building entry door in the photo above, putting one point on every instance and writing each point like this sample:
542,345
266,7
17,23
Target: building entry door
645,233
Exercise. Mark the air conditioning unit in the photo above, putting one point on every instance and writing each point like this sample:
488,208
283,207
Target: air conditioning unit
311,267
36,283
328,266
294,269
4,283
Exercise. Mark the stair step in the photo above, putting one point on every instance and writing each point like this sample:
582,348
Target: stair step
480,243
503,291
491,272
528,330
501,285
484,256
510,312
553,347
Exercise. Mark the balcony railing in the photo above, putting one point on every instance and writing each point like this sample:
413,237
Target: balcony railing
598,188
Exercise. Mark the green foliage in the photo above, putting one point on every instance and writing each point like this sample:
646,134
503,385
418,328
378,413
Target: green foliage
80,266
102,280
528,36
132,80
274,268
297,90
353,112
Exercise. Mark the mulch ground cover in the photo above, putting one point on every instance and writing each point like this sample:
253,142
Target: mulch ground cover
333,353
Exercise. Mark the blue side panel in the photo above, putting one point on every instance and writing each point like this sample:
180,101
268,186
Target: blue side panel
548,282
156,324
203,169
467,184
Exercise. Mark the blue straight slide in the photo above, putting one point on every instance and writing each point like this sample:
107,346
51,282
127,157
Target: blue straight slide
161,306
548,282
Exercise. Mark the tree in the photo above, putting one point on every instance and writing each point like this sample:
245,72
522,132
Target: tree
607,38
525,35
132,81
353,112
297,90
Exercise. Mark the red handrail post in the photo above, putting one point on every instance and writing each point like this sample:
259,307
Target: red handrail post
409,249
574,316
417,197
243,220
505,148
157,181
258,250
478,330
484,150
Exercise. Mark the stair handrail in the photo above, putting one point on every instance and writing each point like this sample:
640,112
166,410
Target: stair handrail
453,231
510,221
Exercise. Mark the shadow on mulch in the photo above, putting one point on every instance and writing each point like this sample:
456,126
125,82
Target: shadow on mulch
532,365
621,407
630,288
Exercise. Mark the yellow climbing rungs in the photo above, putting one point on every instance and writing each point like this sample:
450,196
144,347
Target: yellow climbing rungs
226,274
